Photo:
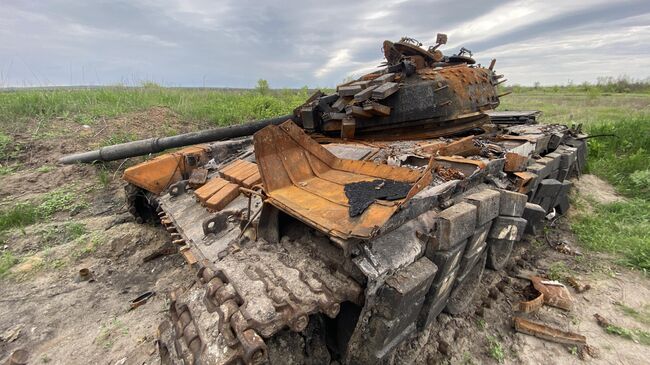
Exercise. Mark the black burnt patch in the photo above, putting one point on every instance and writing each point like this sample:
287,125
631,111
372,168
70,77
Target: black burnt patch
362,194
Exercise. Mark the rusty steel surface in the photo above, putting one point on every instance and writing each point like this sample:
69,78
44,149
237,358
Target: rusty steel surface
305,179
548,333
160,172
555,293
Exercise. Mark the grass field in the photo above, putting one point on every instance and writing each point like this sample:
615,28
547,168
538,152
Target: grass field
623,160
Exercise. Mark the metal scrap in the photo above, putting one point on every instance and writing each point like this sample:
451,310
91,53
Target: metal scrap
85,275
18,357
577,285
548,333
142,299
532,305
449,173
163,251
555,293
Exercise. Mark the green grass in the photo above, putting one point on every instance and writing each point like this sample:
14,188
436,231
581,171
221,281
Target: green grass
26,213
622,228
636,335
623,160
495,349
19,215
559,271
221,107
7,261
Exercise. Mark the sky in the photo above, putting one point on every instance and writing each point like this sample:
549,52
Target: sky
297,43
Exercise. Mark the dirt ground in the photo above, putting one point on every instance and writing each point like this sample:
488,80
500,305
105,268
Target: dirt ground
46,310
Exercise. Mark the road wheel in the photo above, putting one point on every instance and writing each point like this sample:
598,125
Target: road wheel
463,293
498,253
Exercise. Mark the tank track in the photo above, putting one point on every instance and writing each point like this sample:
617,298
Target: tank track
279,286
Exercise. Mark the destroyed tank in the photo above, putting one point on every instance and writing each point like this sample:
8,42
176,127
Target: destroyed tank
336,232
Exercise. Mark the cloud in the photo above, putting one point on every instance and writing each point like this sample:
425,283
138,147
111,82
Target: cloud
294,43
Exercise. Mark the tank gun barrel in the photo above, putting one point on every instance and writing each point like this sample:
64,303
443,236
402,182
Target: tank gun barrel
155,145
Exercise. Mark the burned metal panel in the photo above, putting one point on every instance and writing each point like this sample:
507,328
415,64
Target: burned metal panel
392,314
306,181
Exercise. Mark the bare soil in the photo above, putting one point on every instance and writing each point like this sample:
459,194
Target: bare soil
46,310
594,188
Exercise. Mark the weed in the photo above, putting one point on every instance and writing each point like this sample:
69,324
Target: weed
481,324
85,106
45,359
45,168
104,177
19,215
60,200
5,142
23,214
55,235
495,349
119,137
75,230
6,170
558,271
7,261
573,350
622,160
467,358
636,335
90,245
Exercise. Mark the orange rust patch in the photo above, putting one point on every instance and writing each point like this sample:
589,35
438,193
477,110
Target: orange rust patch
305,180
209,189
223,197
159,173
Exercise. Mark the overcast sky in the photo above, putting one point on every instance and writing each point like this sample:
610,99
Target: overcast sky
315,43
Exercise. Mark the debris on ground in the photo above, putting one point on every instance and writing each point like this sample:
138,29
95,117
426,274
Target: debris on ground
163,251
634,334
602,321
141,299
577,285
18,357
85,275
12,333
555,293
548,333
532,305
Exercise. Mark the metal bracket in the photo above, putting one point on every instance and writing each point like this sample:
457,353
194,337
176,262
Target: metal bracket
178,188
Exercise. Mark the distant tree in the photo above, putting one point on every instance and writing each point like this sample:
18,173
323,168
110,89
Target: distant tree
262,86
